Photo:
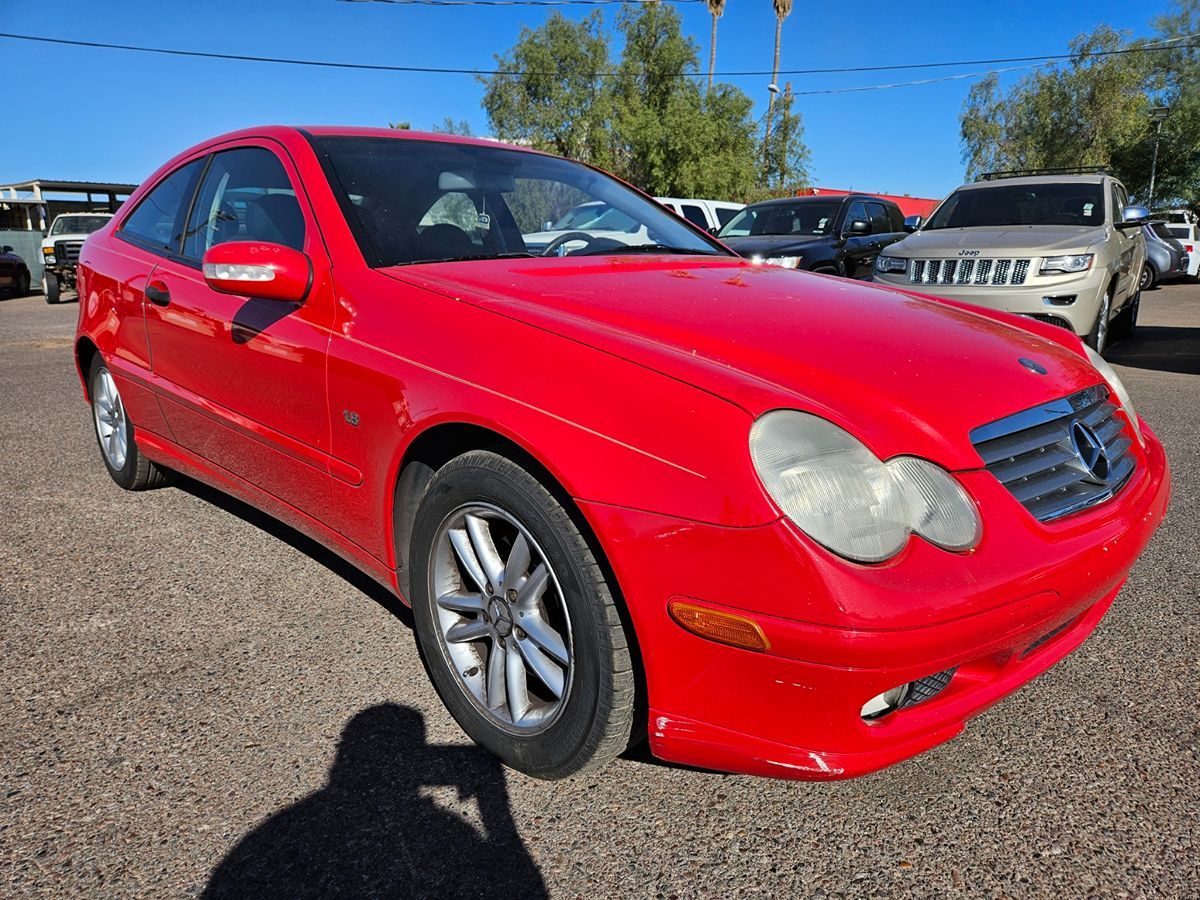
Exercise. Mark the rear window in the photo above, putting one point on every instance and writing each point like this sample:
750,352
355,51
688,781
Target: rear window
1180,231
1162,231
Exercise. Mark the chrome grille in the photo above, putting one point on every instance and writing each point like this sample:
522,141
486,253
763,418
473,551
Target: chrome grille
968,271
1034,453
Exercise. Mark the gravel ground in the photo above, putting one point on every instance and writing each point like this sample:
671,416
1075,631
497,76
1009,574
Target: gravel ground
199,701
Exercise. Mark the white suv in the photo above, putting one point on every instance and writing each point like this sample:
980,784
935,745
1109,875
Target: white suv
1062,247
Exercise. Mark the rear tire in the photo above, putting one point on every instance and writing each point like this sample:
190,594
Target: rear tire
51,287
1125,326
475,630
115,435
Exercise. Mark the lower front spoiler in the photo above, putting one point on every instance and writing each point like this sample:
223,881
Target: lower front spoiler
977,685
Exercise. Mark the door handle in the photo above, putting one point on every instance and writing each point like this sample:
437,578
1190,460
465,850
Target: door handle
158,294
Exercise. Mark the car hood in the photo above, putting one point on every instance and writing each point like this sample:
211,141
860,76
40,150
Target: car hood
907,374
1028,240
773,244
50,241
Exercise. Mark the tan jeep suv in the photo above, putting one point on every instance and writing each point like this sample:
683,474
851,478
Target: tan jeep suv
1058,246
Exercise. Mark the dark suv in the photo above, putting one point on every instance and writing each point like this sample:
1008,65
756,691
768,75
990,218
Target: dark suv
834,235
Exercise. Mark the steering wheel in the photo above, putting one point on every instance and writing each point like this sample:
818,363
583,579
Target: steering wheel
553,247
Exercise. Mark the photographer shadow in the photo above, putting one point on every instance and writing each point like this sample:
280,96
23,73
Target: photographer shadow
397,818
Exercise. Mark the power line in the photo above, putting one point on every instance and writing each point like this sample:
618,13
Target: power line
443,70
514,2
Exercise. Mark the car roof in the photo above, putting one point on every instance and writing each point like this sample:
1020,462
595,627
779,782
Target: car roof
822,198
1035,180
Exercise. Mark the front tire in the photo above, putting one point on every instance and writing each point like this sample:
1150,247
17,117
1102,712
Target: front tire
1148,278
51,287
1097,338
517,625
115,435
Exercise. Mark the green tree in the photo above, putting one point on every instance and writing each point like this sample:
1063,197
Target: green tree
1075,114
548,95
449,126
1095,110
784,152
651,123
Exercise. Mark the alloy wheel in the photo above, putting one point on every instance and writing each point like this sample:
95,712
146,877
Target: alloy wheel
502,619
111,424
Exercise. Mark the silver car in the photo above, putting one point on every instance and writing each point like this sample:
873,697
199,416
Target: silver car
1060,247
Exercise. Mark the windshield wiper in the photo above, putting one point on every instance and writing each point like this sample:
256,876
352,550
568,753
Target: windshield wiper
647,248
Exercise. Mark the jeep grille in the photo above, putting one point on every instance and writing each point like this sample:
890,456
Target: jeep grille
968,271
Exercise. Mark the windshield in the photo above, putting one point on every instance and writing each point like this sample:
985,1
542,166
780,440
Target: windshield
1023,204
809,218
413,201
78,224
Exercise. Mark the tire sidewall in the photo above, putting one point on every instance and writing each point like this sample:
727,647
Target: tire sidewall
554,749
53,288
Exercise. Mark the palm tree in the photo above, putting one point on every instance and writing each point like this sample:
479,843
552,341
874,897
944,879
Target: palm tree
783,9
715,8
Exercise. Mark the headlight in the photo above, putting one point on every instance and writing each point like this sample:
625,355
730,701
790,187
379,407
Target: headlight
1063,265
48,254
845,498
788,262
1118,388
890,264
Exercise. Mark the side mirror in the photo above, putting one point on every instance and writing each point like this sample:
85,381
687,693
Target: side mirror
912,223
1138,214
6,249
714,230
547,225
858,228
258,269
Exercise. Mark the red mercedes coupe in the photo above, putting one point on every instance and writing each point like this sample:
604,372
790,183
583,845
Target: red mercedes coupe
632,487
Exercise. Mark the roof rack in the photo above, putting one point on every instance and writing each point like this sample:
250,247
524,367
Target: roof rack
1068,170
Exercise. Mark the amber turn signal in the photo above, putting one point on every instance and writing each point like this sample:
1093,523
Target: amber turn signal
715,625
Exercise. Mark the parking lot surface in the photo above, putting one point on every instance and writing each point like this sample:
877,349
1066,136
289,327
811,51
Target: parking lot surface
197,700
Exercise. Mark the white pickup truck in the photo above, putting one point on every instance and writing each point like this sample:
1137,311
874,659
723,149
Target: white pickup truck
60,250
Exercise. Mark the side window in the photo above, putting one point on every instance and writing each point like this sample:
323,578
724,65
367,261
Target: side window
156,220
694,214
879,219
1117,204
896,218
725,215
857,211
246,196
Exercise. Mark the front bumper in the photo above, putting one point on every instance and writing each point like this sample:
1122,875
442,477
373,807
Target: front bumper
1043,296
841,633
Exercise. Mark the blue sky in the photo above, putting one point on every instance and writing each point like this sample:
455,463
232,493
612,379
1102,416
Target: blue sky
114,115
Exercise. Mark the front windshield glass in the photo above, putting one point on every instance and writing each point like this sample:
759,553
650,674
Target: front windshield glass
413,201
806,218
78,224
1021,204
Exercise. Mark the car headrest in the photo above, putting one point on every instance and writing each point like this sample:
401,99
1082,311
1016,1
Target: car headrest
275,218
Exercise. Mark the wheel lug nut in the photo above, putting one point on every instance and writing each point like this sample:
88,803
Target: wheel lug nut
512,596
520,634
